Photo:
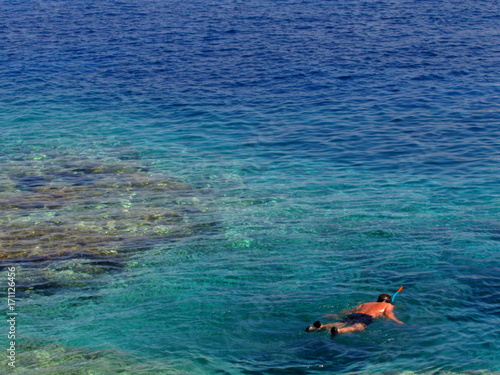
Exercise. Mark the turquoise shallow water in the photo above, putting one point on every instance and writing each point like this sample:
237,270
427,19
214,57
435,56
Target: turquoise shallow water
187,185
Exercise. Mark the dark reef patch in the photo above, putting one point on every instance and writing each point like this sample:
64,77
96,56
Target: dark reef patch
74,217
36,356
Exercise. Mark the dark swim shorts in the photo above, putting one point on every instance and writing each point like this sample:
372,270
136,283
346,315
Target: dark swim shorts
358,318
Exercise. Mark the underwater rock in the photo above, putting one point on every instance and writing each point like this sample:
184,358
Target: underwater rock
49,277
91,209
44,357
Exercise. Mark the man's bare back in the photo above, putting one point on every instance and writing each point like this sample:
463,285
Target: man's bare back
377,310
358,318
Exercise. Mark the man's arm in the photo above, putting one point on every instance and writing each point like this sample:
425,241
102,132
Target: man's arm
389,314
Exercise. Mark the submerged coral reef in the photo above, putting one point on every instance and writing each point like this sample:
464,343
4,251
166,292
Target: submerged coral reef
48,357
79,215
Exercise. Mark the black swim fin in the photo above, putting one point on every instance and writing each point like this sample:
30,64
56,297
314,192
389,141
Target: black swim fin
314,326
334,331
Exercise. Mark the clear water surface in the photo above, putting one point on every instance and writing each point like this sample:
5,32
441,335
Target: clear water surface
186,185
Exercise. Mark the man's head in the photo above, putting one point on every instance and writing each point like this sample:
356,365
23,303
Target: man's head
384,297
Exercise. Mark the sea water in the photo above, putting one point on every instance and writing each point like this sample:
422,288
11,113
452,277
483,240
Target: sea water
186,185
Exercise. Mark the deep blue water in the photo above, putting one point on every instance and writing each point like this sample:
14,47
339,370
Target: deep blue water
186,185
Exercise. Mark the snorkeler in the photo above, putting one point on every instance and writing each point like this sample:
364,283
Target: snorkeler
358,318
